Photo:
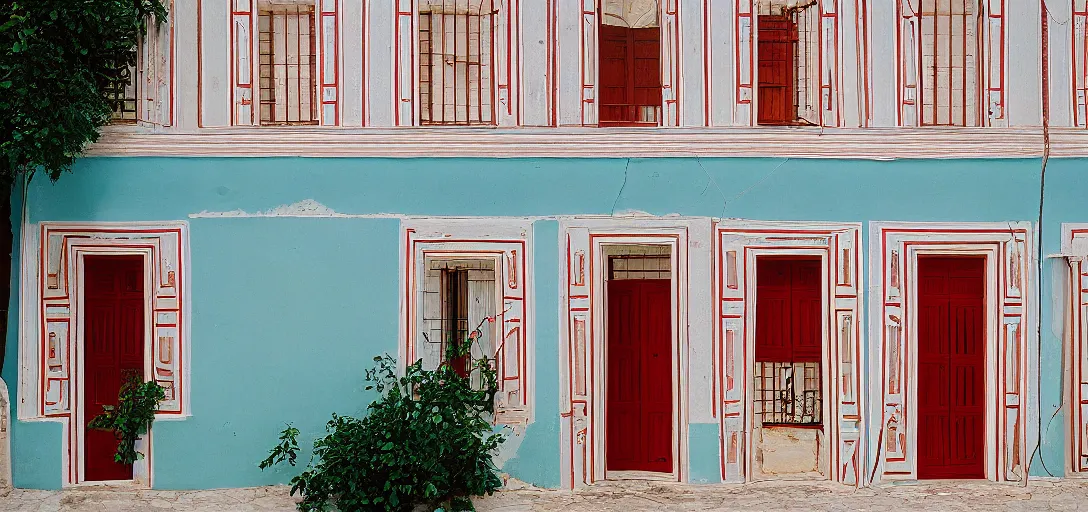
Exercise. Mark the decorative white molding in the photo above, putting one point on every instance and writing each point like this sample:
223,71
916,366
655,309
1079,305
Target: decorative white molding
792,142
1075,249
303,208
51,329
738,244
510,243
582,369
1011,343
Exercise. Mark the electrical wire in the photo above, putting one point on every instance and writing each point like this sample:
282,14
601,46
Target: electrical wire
1045,85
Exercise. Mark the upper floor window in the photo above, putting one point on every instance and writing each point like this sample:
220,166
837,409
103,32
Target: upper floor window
142,90
629,39
789,62
952,69
284,62
287,46
456,72
121,94
949,49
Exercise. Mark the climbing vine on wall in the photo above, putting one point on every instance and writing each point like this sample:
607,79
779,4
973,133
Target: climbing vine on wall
131,417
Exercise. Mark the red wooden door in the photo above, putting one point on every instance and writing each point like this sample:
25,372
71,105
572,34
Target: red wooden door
630,76
113,339
789,308
777,39
638,409
951,367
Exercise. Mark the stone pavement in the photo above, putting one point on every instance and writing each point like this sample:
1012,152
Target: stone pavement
609,497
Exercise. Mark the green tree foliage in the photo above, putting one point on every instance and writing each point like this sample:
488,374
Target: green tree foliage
58,56
427,440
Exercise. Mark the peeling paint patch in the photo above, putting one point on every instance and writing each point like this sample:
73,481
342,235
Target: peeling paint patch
509,448
303,208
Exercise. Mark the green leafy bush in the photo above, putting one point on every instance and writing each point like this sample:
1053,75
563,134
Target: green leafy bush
56,59
132,417
427,440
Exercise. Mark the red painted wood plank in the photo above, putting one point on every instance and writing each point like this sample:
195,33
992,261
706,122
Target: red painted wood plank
639,376
951,367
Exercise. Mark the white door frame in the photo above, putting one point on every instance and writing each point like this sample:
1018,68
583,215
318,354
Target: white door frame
737,244
51,331
827,386
677,318
1075,253
583,319
141,469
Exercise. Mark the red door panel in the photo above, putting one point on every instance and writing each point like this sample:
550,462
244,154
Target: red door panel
952,366
777,37
806,304
639,376
114,338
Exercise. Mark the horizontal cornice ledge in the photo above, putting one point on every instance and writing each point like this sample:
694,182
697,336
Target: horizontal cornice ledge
848,143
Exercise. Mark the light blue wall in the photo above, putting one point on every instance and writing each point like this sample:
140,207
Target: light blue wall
287,313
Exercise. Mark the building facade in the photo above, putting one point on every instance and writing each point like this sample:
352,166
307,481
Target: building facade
720,240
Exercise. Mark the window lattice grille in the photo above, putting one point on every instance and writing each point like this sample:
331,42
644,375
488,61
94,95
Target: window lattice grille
788,393
458,296
288,64
640,266
455,70
120,91
949,50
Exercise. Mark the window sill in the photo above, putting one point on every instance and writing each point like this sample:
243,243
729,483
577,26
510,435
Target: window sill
581,142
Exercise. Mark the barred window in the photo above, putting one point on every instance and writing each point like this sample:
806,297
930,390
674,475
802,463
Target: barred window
459,295
949,49
288,64
455,69
639,262
120,90
788,393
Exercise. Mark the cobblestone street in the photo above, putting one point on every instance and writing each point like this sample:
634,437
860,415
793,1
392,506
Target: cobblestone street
942,497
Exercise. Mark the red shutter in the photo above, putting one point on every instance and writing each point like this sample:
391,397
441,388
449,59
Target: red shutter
777,37
788,310
114,346
630,79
